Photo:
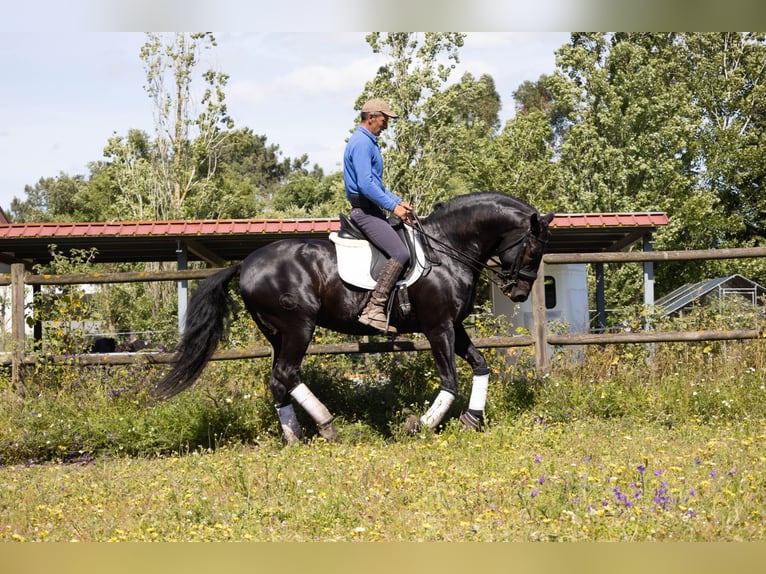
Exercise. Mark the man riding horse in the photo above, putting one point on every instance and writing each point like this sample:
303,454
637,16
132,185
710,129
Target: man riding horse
363,178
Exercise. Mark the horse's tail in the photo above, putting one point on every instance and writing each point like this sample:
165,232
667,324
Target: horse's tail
208,308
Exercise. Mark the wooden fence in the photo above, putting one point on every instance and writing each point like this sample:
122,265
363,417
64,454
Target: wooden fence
539,338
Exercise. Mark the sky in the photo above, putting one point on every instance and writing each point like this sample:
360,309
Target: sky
66,93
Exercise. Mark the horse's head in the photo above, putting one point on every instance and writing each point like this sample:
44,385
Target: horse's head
520,257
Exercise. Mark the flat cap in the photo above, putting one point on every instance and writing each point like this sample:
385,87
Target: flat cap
380,106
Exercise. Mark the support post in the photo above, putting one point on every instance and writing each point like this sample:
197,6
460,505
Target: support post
648,283
600,299
17,326
37,330
539,321
183,286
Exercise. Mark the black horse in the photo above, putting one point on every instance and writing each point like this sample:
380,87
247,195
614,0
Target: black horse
292,286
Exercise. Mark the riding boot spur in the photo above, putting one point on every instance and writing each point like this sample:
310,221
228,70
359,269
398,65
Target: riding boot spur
374,314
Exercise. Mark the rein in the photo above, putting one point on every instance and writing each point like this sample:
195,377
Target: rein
500,278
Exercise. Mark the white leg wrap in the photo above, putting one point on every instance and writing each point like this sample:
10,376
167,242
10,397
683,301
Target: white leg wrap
308,402
478,399
289,423
435,414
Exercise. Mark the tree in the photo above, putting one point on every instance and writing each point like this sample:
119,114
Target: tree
187,144
729,82
418,146
249,175
133,161
666,122
50,199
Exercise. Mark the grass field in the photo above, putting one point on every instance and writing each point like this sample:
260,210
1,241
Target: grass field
617,443
520,481
608,450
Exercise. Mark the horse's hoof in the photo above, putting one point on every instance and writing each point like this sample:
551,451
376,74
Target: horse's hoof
328,432
412,425
472,422
292,440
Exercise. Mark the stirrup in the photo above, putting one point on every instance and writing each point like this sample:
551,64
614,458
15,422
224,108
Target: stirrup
386,329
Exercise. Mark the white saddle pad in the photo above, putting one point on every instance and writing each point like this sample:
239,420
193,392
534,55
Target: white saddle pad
355,260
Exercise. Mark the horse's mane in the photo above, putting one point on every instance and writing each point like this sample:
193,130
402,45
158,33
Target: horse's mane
474,200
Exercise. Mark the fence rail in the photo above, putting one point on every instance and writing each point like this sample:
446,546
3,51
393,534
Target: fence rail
539,338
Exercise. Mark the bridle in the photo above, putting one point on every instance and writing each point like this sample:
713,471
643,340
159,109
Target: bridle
505,280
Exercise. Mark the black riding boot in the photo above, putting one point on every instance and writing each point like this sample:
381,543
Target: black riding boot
374,313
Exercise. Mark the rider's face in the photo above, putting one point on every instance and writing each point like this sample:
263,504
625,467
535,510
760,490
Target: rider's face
378,123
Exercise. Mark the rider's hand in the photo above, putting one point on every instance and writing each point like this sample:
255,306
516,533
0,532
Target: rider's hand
403,211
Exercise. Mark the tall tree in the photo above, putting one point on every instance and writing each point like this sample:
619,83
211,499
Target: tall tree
667,122
188,142
729,83
414,80
132,160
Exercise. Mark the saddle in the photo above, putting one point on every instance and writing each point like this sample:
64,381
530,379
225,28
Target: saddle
360,262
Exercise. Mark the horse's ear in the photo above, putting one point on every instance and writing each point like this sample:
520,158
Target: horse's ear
537,220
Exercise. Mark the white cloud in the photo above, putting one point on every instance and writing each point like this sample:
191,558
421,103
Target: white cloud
305,81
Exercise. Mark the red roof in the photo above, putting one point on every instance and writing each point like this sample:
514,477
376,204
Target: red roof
250,226
585,220
183,228
234,239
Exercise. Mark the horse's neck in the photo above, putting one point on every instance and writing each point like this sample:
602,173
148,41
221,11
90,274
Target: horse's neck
476,233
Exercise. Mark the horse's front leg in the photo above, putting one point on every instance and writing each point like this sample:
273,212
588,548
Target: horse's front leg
443,350
473,418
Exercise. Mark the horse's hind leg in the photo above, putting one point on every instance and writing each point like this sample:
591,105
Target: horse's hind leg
285,385
473,418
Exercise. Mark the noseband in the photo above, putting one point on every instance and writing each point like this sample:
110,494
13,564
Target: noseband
509,278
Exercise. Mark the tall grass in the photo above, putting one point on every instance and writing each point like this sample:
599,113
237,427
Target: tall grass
629,442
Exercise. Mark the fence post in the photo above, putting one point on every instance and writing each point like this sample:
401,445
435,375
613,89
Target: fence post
539,321
17,325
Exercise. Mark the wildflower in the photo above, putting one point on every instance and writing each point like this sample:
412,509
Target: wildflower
713,473
534,493
537,458
658,472
541,480
641,468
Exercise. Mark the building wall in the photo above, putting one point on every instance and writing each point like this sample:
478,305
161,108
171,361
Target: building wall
571,300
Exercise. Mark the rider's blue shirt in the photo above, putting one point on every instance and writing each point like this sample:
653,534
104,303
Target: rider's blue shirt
363,170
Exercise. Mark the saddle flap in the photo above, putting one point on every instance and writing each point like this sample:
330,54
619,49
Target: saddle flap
360,262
